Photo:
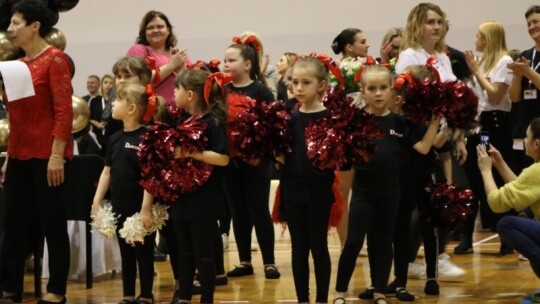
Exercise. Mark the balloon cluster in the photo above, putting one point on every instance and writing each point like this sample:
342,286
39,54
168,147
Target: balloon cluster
449,207
257,132
8,51
344,137
167,177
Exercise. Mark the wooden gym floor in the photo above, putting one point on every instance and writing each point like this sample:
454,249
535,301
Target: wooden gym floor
490,278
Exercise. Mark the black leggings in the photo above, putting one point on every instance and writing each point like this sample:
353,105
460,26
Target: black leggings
167,232
401,241
248,189
375,216
141,255
421,231
196,249
308,226
27,193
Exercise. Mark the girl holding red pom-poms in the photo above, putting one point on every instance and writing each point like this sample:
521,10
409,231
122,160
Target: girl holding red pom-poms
306,191
195,213
375,196
248,181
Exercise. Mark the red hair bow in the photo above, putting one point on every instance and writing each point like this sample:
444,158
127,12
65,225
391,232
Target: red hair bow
251,39
369,61
151,62
149,113
328,62
221,79
214,64
429,63
401,79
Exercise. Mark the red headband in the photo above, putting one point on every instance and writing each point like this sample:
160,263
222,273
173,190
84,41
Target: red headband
401,79
221,79
149,113
151,62
369,62
429,63
251,39
328,62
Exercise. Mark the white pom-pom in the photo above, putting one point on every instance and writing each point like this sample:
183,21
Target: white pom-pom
104,222
159,216
133,230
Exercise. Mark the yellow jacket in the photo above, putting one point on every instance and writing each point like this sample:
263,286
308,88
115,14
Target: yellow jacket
519,194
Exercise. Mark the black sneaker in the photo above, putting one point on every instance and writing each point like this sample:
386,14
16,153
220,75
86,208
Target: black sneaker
403,295
240,271
391,289
432,287
464,247
222,281
505,249
367,294
176,297
196,289
271,272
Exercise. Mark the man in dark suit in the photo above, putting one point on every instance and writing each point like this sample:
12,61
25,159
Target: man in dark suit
92,85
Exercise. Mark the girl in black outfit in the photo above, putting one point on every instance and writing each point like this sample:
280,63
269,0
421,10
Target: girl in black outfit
248,184
375,196
306,192
195,214
122,174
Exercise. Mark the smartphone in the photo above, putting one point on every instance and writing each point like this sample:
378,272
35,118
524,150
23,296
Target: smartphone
484,140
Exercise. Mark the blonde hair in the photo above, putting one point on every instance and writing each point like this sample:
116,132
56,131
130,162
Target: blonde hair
106,76
246,34
376,68
135,93
412,38
291,58
493,32
391,34
320,71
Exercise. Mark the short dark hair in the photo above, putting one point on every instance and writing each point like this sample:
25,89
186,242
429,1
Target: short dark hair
36,11
535,9
535,128
96,77
148,17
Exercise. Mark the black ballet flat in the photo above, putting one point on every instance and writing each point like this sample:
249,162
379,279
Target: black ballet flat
16,298
49,302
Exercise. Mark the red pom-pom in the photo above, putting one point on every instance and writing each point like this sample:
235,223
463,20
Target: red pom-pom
344,137
161,174
462,106
257,131
449,207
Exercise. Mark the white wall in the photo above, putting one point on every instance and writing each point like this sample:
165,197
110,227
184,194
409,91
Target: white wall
100,31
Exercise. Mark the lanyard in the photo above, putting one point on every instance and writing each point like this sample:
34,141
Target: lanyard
533,67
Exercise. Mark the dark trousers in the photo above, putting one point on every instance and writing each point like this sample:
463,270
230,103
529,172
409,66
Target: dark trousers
498,125
376,216
308,226
196,250
141,255
523,235
401,242
27,192
248,190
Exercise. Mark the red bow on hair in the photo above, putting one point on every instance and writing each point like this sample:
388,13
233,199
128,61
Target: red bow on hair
429,63
328,62
149,113
221,79
401,79
251,39
369,62
151,62
214,64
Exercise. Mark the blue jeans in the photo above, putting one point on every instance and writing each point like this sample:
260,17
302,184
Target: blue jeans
523,235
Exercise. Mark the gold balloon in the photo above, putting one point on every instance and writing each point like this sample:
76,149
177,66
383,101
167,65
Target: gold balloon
7,48
81,114
4,133
57,38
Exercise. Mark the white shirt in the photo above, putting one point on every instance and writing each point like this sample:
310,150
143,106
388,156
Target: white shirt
500,74
419,57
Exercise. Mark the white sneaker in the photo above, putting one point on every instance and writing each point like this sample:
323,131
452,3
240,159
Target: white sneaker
522,258
416,271
225,239
447,268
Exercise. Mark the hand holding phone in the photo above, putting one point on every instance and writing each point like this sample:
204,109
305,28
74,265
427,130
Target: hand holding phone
484,140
